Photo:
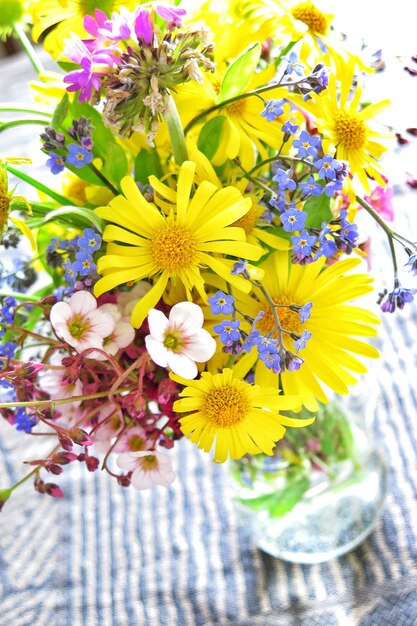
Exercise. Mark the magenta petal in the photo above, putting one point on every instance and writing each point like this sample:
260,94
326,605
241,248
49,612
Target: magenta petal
143,27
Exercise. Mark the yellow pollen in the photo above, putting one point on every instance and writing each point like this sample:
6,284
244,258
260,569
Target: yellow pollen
137,444
288,319
237,108
309,14
248,221
226,406
149,462
4,207
173,248
350,131
78,326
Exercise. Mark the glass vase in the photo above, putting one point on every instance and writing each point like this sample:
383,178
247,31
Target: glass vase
321,493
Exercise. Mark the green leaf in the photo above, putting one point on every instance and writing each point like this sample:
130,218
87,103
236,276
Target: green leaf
115,166
239,73
147,162
283,500
318,211
60,113
210,136
83,217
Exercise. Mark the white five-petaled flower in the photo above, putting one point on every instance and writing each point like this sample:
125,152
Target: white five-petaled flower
180,341
122,335
80,323
148,468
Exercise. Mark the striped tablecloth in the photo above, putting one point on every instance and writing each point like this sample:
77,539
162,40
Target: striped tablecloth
105,556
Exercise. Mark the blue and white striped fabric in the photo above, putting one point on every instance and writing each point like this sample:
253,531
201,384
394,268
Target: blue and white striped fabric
104,556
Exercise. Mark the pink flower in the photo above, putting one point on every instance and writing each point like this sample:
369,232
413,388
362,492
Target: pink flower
380,199
148,468
133,440
111,423
116,28
122,335
180,341
80,323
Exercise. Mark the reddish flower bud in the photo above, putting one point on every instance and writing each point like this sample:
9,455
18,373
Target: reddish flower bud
92,463
412,131
80,437
53,468
166,389
63,458
123,480
65,441
53,490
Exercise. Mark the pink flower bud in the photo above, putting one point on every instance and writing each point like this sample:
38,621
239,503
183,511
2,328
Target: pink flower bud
80,437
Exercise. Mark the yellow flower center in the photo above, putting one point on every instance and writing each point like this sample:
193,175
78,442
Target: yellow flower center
310,15
173,248
137,444
173,341
4,208
226,406
237,108
149,462
288,319
248,221
78,326
350,131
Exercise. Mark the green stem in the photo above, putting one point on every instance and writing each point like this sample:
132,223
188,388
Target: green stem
19,109
19,296
388,231
226,103
13,123
29,49
176,133
39,403
105,180
40,186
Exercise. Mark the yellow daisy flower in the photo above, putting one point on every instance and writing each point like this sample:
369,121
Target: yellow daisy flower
234,416
334,324
63,17
347,128
174,240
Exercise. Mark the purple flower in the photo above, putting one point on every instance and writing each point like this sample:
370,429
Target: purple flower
303,243
78,156
267,344
412,263
293,219
84,263
172,15
251,340
273,108
8,349
284,181
22,421
301,343
89,240
271,360
143,27
228,330
221,303
292,65
56,163
397,299
239,267
101,27
311,187
293,362
332,187
306,145
87,78
87,142
305,312
327,167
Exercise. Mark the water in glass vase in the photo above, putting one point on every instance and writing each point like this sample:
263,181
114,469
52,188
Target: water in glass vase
320,494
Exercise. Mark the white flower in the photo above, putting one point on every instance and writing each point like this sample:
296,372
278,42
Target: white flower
110,420
127,299
80,323
122,336
180,341
55,383
148,468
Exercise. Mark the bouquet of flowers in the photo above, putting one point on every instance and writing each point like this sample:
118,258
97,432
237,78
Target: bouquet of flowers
194,270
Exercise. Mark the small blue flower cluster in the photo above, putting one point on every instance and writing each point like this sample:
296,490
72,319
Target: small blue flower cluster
19,416
270,350
309,174
396,299
76,154
81,272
